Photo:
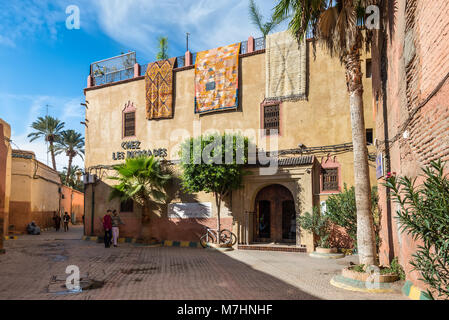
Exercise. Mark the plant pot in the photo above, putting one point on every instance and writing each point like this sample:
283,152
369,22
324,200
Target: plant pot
363,276
326,250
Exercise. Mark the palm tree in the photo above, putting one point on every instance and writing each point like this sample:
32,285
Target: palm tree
163,48
50,128
72,143
70,180
338,25
256,18
142,180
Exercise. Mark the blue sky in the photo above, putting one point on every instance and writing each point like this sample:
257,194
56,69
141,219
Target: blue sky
44,63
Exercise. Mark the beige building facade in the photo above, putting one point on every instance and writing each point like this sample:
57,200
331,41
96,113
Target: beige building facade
35,192
5,179
298,183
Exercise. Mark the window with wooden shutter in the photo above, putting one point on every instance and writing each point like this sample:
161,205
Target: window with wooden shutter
271,118
129,124
330,179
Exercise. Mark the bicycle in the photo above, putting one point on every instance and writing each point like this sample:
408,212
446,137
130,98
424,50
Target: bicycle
225,236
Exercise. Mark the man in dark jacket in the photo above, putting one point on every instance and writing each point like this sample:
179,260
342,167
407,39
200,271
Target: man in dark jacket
57,221
66,219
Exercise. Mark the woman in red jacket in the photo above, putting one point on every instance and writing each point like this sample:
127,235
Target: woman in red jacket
107,225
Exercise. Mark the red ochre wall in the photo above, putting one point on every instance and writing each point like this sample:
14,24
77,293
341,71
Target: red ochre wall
417,62
73,203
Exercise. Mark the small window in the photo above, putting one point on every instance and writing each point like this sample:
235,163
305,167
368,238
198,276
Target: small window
369,136
130,124
330,179
271,118
368,68
127,206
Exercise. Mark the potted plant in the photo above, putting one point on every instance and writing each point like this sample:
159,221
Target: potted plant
318,224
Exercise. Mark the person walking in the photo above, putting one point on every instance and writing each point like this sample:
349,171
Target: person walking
66,219
107,225
57,221
116,222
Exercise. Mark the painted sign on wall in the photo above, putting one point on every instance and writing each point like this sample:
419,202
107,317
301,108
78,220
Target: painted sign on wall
190,210
132,150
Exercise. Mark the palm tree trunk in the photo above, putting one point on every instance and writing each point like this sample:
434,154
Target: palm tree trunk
145,223
52,152
69,170
366,244
150,213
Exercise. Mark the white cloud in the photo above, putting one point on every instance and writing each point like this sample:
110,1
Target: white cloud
139,23
136,24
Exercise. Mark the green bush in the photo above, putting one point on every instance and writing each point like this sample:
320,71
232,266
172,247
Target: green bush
424,214
342,211
318,225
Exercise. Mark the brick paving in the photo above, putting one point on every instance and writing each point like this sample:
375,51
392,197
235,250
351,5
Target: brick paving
34,268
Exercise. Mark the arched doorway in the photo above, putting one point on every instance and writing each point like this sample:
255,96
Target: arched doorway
275,218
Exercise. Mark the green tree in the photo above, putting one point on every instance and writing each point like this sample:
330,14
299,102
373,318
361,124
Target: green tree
163,48
50,129
338,25
72,181
72,144
341,210
424,214
215,174
318,224
256,18
142,180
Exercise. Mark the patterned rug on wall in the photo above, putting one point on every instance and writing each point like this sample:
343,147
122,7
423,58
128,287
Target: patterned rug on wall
159,89
286,68
216,79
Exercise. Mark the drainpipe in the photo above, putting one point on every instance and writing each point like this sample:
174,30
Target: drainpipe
93,211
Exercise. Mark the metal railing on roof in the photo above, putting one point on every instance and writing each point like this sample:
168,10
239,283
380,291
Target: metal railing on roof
113,69
122,67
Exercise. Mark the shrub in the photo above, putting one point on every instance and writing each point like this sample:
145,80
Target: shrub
341,210
318,225
424,214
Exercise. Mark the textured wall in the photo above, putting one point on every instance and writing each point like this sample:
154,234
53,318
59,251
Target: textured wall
5,179
73,203
416,62
34,192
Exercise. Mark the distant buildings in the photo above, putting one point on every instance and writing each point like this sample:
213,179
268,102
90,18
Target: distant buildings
31,191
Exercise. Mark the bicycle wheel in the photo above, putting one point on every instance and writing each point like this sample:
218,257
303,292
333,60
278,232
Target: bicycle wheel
207,238
203,241
226,236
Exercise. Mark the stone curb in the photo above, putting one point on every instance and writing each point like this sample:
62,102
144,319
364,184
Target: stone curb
120,240
165,243
354,285
327,255
10,237
414,292
183,244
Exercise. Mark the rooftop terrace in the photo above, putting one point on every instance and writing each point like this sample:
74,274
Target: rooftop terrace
126,66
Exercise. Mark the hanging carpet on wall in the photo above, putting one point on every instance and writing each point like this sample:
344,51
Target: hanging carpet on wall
286,68
159,89
217,79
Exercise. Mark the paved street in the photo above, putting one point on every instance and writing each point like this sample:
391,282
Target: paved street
34,268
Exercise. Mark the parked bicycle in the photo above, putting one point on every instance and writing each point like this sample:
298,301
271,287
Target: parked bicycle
213,235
